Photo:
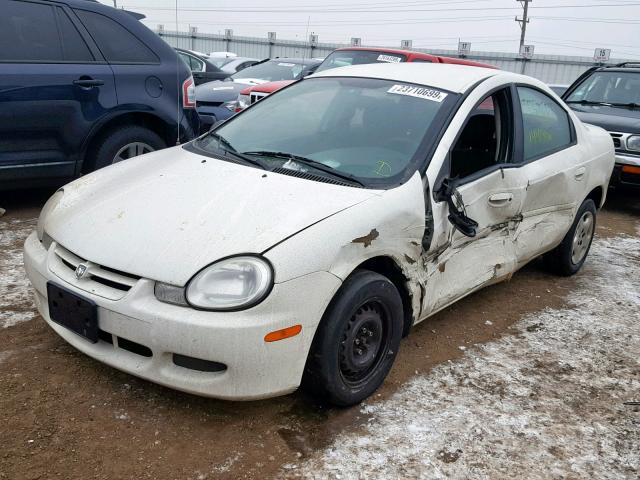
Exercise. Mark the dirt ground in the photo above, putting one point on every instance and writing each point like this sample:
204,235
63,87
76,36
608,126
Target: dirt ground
64,415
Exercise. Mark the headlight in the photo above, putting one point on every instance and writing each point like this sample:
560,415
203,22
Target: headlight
51,204
633,143
231,105
231,284
243,102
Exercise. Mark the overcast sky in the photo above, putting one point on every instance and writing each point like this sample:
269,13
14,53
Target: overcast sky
567,27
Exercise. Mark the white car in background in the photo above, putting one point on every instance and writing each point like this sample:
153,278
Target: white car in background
233,64
300,240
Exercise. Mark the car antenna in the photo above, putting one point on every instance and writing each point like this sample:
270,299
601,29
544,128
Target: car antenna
180,89
306,34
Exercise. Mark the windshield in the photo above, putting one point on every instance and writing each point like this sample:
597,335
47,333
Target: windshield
272,70
344,58
608,87
366,129
220,62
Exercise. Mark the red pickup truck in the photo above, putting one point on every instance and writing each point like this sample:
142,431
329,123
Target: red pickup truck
343,57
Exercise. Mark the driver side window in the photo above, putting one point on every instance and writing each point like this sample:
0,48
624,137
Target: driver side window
487,137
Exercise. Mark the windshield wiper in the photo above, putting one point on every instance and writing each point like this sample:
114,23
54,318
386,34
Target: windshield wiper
628,105
230,149
589,102
307,161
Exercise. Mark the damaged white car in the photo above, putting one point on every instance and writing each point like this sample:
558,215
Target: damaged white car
299,241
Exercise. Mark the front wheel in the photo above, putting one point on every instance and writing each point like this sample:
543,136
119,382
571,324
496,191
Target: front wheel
568,257
357,340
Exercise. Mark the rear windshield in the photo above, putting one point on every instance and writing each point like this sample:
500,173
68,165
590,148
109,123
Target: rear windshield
272,71
220,62
344,58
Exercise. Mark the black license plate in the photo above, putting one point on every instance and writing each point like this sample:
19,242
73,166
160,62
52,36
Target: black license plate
73,312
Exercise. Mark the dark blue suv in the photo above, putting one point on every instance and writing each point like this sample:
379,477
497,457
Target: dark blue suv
83,85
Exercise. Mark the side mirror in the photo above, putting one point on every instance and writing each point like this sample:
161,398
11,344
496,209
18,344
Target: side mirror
457,216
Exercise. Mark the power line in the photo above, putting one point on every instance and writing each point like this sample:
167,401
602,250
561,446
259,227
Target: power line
377,10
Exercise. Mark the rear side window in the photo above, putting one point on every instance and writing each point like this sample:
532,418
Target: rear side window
28,32
545,123
73,47
117,44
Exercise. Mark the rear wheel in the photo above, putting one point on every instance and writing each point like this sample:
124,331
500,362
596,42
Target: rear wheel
357,340
123,143
568,257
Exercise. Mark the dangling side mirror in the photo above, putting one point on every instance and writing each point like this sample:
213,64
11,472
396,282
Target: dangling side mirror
457,216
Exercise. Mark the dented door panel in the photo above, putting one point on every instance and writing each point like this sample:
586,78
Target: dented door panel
465,264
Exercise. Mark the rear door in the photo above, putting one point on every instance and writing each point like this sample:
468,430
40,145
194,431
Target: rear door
53,86
140,76
554,169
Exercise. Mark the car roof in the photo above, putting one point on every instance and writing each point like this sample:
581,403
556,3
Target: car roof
303,61
386,50
451,77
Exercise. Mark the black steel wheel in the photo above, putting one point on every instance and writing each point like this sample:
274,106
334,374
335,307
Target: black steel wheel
357,340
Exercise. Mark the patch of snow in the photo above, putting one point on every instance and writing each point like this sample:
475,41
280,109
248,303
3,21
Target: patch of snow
227,464
545,402
16,302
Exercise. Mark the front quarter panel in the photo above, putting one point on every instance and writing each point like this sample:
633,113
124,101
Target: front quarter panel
390,224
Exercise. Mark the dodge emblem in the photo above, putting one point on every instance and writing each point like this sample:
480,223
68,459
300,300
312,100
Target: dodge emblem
81,270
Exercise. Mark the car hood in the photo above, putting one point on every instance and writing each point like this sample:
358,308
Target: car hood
166,215
612,119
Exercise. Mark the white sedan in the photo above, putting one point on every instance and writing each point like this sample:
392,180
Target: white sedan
299,241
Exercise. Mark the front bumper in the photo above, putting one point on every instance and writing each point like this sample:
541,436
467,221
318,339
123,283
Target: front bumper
210,115
255,369
626,172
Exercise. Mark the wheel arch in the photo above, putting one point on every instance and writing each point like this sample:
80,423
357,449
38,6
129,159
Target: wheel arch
389,268
143,119
597,195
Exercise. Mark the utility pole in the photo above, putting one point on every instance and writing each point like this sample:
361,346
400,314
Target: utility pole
115,3
525,19
523,27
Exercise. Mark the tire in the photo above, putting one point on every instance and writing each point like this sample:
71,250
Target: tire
357,340
114,141
565,259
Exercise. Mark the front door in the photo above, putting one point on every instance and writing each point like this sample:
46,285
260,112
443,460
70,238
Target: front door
492,194
53,87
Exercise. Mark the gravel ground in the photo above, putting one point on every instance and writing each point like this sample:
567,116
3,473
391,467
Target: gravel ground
15,296
530,378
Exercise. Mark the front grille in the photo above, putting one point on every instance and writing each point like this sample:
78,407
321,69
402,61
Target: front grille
101,280
617,140
255,96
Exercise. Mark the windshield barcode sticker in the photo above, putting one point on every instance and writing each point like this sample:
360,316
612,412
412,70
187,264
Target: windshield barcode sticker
419,92
389,58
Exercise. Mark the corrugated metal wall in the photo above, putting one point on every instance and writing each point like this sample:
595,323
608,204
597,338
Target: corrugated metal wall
553,69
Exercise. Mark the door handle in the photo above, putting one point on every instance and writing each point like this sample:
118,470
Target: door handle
579,175
500,199
85,82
